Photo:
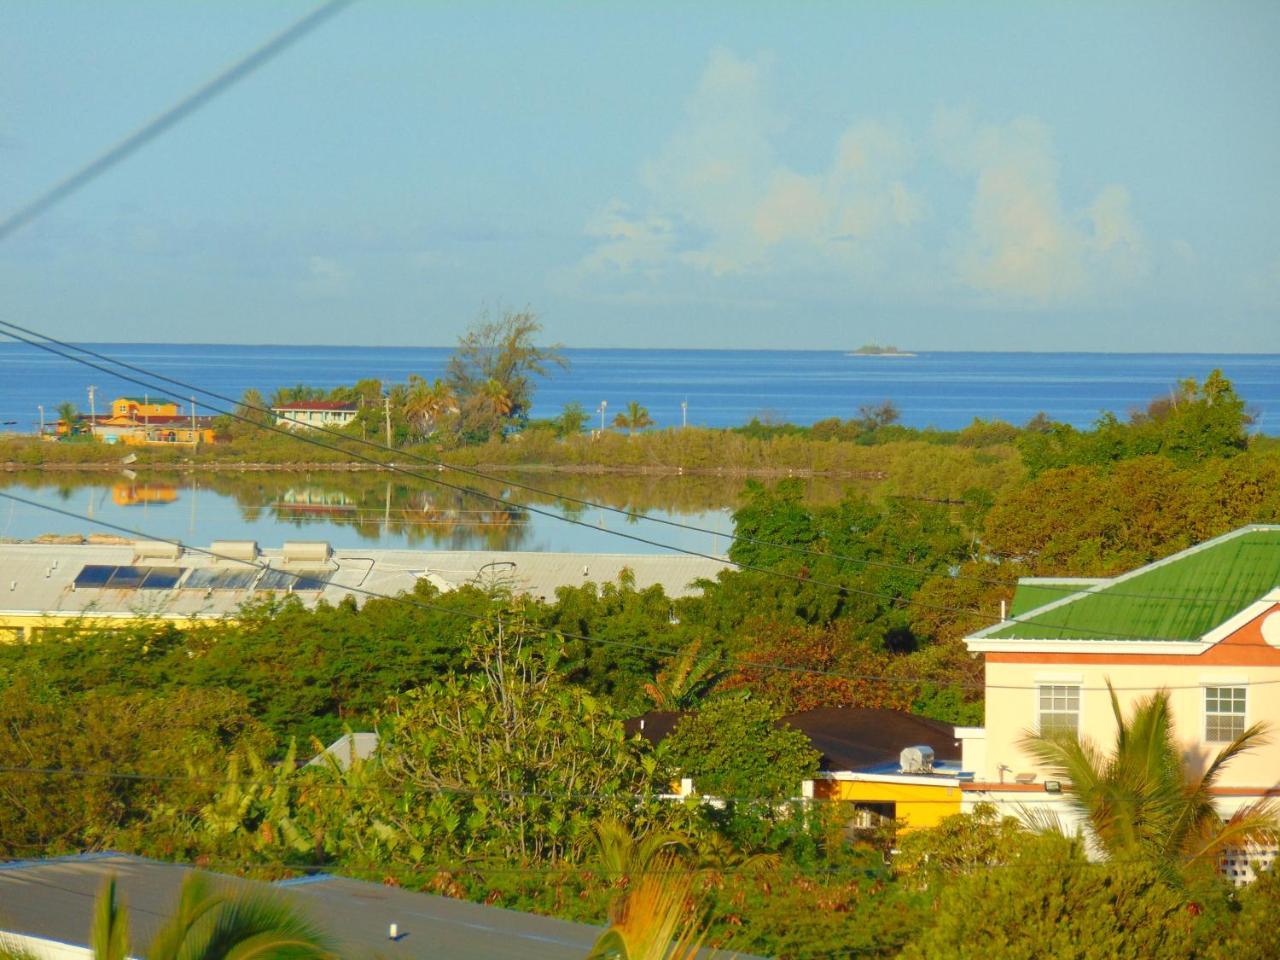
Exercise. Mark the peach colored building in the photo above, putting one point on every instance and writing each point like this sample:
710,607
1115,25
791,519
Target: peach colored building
1203,624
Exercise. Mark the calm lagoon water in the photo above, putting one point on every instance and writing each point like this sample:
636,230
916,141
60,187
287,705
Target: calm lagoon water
361,510
721,387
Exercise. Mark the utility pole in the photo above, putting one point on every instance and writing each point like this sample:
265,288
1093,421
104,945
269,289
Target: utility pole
40,407
603,404
195,437
93,414
684,414
386,407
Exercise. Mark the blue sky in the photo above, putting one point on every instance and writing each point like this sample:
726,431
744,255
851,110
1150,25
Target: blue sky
815,175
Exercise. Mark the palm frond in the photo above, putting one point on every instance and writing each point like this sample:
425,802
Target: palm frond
109,933
243,925
1257,824
654,921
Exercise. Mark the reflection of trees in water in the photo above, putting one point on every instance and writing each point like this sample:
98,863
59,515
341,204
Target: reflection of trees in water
417,515
379,506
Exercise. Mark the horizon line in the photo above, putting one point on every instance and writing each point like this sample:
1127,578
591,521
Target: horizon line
918,351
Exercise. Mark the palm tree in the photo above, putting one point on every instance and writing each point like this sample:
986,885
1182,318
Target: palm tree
489,406
684,680
634,418
1140,801
427,404
653,921
622,855
68,415
207,925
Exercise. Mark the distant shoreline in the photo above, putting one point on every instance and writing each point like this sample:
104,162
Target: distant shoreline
646,470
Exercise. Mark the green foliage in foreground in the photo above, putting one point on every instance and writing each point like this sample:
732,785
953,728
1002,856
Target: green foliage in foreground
502,760
1048,903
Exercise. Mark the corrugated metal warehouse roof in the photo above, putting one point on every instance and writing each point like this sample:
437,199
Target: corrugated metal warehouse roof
131,580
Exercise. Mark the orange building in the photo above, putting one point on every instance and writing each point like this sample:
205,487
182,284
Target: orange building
138,494
151,422
131,408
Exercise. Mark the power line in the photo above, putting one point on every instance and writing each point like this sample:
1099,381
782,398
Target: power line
1066,590
188,105
82,773
735,662
844,589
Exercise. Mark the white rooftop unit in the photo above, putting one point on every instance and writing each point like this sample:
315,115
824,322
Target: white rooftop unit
305,551
917,759
235,550
156,550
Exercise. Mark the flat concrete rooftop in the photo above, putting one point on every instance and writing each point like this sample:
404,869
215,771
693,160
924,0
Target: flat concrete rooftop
127,581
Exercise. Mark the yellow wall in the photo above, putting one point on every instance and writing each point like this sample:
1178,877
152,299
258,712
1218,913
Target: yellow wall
128,495
14,627
917,804
125,407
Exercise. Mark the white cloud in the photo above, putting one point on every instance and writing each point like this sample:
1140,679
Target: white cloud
718,200
1021,246
326,277
627,242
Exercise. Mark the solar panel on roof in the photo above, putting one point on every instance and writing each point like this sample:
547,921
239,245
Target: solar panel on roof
161,578
294,580
94,575
211,578
127,578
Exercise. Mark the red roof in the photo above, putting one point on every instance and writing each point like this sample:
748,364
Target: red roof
316,405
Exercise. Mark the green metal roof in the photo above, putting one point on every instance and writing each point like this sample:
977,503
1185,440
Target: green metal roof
1033,592
1182,597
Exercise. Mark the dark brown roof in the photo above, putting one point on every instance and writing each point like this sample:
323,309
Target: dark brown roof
654,726
849,738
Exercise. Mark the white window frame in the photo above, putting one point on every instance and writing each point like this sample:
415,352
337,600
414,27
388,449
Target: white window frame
1068,687
1217,686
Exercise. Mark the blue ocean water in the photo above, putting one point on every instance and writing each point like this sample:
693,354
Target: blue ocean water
720,387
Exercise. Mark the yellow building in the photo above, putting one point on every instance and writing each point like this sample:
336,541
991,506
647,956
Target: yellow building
146,422
914,800
131,408
138,494
887,764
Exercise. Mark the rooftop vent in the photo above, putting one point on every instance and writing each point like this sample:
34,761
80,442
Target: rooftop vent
156,550
917,759
305,551
233,550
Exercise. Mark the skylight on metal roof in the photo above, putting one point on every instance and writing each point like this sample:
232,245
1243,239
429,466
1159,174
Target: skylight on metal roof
213,578
295,581
96,576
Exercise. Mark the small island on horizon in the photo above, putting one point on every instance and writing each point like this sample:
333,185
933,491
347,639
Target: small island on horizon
876,350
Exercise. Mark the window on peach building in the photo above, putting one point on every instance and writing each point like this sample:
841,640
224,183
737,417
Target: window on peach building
1223,713
1059,708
